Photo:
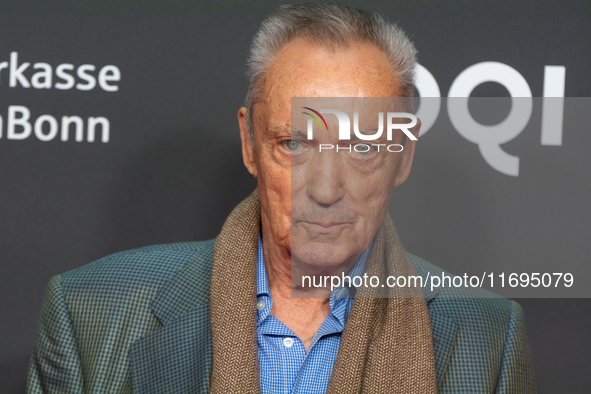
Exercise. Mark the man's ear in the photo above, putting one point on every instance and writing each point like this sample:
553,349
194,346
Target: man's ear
407,156
247,149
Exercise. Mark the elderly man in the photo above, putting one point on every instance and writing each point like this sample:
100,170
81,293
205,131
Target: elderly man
231,315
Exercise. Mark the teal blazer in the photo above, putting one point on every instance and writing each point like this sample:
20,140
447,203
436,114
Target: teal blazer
138,322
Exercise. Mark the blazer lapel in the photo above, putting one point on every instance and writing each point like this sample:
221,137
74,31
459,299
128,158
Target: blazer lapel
444,337
444,334
444,329
176,358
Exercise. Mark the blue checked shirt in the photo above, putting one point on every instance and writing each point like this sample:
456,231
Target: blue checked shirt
284,365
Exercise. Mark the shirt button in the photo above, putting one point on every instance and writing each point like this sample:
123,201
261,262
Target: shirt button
288,342
261,305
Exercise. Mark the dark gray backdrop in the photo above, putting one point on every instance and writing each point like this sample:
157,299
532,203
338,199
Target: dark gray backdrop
172,170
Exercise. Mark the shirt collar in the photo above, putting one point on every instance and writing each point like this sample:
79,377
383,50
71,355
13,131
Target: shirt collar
262,279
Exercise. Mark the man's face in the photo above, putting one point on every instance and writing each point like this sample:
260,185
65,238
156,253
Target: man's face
322,208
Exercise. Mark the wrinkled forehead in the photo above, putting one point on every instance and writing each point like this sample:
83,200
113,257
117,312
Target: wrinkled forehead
365,112
308,69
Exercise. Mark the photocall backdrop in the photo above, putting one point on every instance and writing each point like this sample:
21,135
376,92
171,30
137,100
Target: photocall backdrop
118,130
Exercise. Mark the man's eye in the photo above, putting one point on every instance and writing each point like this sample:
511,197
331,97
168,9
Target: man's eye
362,149
291,144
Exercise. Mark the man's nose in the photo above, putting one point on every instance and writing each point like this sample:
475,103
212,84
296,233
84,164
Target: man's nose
326,180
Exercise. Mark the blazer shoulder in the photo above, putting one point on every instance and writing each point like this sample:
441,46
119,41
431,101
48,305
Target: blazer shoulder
92,315
461,303
147,267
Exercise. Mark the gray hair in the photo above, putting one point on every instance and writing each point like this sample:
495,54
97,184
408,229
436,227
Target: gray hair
332,25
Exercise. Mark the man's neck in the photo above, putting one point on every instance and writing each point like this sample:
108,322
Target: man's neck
301,310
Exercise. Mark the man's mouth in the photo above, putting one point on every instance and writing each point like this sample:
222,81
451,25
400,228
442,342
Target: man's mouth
324,226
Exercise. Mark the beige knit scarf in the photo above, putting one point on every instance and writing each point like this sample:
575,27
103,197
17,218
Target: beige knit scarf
386,346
